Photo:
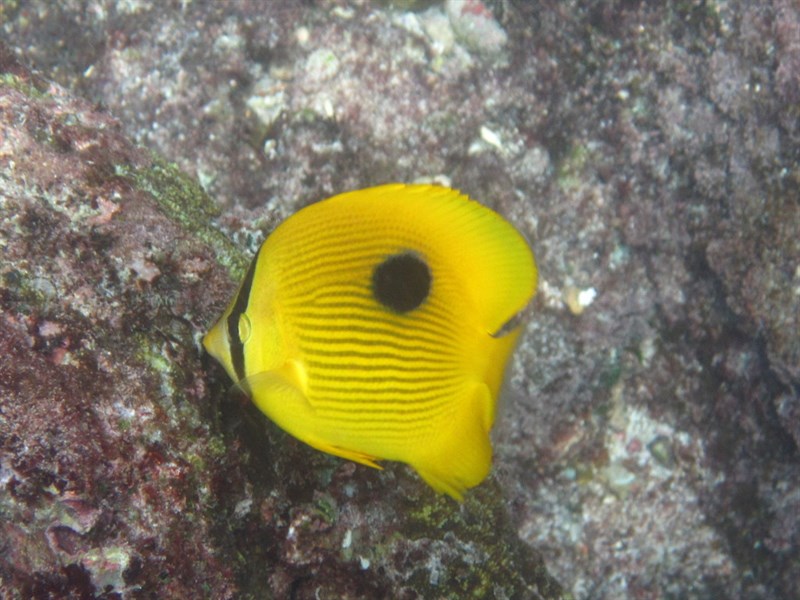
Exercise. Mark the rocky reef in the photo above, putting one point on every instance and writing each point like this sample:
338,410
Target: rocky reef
649,444
126,472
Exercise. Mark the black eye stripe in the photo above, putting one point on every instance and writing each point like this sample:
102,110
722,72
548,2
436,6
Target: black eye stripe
236,345
401,282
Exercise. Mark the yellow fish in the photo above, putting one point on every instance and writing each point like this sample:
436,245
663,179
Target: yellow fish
377,324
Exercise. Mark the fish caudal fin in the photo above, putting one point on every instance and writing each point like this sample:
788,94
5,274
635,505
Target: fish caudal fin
461,456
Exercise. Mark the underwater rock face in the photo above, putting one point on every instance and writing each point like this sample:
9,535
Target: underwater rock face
649,445
122,474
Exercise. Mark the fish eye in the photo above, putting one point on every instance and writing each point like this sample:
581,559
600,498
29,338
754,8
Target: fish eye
244,328
401,282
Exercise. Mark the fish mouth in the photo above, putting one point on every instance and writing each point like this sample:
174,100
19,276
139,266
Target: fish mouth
215,341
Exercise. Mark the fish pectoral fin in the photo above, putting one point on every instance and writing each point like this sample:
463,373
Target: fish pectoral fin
278,395
461,454
281,399
354,455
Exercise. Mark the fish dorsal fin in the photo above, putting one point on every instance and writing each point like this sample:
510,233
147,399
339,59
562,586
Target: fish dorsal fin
492,259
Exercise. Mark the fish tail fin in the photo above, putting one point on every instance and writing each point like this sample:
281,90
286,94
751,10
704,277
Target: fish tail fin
461,456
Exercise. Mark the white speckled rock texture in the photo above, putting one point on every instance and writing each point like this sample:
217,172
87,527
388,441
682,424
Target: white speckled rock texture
649,445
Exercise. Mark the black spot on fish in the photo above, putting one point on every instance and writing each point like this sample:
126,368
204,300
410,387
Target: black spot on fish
401,282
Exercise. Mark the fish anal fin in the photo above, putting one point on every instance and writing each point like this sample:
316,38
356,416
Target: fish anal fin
354,455
460,456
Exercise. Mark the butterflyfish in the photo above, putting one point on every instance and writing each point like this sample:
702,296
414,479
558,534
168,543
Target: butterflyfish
377,324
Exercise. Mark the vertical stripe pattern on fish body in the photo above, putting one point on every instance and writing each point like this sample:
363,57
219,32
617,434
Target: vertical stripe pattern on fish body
367,327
